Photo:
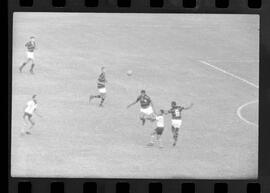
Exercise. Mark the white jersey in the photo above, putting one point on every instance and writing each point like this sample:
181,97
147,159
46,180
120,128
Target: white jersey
31,106
160,121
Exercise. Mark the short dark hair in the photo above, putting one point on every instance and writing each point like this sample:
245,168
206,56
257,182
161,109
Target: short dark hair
142,91
32,37
161,110
34,96
173,103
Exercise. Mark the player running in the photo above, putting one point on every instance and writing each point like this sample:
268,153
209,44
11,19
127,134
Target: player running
101,87
146,110
158,131
31,46
175,111
29,109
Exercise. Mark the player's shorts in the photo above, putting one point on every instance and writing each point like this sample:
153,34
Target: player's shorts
27,115
30,55
176,123
102,90
147,111
159,130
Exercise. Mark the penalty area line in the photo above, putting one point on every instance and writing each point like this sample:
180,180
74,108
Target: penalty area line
239,110
230,74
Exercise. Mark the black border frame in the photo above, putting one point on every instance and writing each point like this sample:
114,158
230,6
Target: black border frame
42,185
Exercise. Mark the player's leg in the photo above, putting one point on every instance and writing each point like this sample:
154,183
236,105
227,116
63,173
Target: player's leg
173,130
152,138
91,97
142,117
103,96
159,133
173,133
25,124
31,126
150,114
159,141
32,67
24,63
175,136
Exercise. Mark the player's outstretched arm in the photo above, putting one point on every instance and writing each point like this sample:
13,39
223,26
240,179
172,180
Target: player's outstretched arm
132,104
186,108
36,113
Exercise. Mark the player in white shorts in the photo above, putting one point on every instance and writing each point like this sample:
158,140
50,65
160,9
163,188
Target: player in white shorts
101,87
159,130
31,46
176,118
29,110
146,110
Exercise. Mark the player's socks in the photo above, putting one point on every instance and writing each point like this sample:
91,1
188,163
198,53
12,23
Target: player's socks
102,101
143,121
21,67
90,98
32,69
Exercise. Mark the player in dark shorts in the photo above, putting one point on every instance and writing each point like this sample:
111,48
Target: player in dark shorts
159,130
147,107
29,110
31,46
175,111
101,88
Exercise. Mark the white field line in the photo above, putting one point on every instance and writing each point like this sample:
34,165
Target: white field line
230,74
240,115
239,109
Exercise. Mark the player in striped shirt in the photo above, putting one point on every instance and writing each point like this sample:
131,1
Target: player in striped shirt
101,87
175,111
146,111
30,46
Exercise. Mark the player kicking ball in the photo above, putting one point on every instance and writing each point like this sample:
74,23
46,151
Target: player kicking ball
156,135
29,110
175,111
146,110
31,46
101,88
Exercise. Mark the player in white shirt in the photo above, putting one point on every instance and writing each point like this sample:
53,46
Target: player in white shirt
29,110
159,130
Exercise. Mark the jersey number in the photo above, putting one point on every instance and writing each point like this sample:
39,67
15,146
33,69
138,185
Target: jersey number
177,113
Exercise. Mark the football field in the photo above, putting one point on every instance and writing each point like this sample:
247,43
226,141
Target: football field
210,60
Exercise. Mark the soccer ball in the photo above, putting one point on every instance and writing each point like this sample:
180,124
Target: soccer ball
129,72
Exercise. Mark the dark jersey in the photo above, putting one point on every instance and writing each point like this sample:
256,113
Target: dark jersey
176,112
101,80
145,101
30,46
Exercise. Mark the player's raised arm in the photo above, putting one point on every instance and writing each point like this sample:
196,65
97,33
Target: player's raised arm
35,45
132,104
137,100
186,108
